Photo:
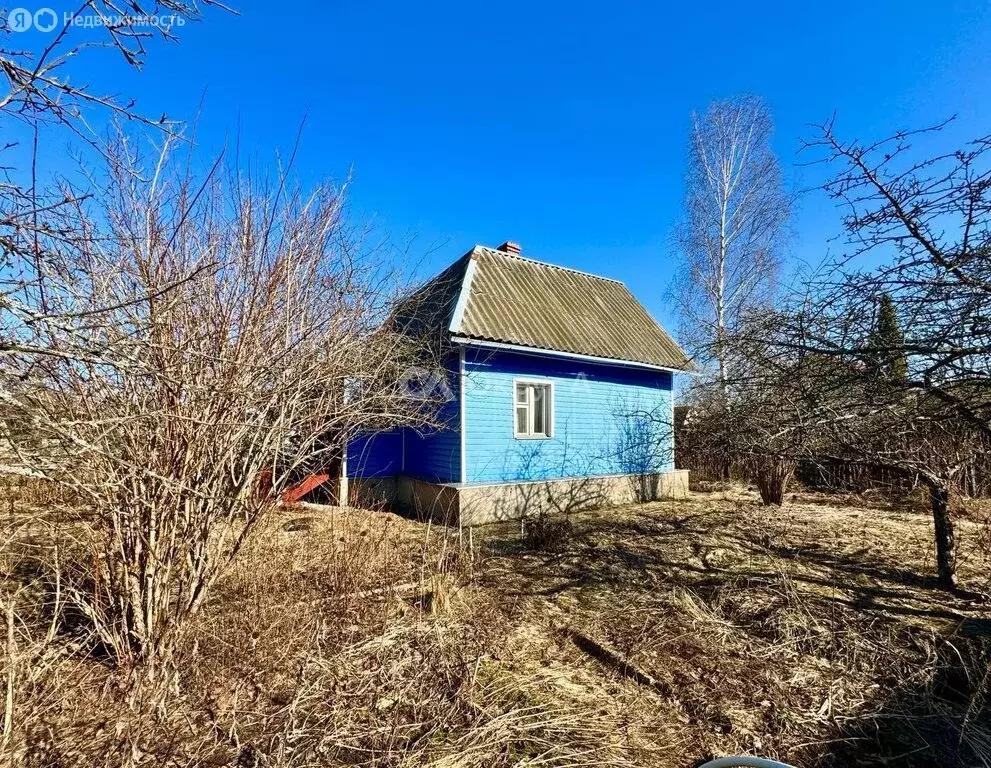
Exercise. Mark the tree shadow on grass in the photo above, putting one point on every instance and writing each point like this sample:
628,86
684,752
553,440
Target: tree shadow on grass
942,719
860,562
932,716
653,550
603,553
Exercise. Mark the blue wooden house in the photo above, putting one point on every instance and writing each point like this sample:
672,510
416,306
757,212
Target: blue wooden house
556,393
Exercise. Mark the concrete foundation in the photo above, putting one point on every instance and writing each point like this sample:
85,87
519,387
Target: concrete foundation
469,504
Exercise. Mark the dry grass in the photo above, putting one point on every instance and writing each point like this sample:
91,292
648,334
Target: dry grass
808,633
339,638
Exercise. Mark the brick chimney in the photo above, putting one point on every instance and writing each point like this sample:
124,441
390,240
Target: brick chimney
510,247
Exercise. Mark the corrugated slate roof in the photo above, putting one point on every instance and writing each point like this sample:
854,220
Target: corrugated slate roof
495,296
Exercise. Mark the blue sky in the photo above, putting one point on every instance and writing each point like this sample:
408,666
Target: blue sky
562,126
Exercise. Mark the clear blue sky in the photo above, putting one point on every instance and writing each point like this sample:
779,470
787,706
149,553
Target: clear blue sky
561,125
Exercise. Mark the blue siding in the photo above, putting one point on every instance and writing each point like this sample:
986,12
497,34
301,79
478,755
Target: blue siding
607,419
376,454
428,454
435,455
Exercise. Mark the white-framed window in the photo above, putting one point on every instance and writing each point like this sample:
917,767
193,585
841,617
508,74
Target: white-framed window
533,409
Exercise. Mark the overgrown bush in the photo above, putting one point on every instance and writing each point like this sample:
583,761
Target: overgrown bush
219,331
543,531
772,475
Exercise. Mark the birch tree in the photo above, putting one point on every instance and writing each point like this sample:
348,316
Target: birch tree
730,239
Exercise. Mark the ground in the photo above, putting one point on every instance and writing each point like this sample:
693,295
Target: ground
801,633
652,635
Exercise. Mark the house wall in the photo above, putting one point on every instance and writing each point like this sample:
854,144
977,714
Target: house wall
428,454
376,454
608,420
480,504
435,454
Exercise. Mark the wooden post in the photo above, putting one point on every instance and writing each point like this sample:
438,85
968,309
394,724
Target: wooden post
342,488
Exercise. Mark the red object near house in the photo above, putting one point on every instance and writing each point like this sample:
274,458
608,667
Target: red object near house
297,492
263,484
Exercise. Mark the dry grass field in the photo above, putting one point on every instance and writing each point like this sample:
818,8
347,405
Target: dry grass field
808,633
653,635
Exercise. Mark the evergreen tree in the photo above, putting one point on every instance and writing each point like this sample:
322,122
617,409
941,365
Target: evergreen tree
887,343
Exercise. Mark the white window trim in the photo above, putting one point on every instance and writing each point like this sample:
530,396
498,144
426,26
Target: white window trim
550,409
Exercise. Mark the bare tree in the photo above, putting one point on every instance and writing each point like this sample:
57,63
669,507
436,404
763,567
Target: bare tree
886,367
844,415
929,219
209,340
40,102
735,212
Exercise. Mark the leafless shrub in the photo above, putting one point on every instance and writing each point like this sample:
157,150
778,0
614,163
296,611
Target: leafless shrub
545,532
772,474
213,333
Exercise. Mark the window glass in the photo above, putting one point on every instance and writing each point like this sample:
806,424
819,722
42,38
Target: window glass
540,410
533,409
521,394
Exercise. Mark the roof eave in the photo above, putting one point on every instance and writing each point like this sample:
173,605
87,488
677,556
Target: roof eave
523,349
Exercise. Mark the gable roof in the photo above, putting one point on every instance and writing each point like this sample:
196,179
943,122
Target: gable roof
495,296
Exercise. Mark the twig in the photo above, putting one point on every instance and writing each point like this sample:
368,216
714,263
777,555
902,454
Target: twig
608,655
